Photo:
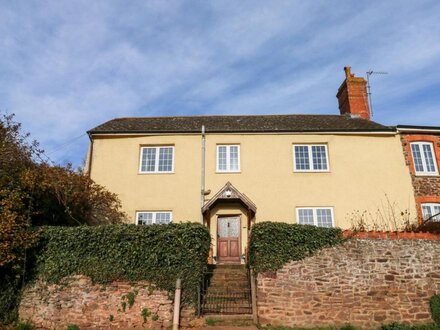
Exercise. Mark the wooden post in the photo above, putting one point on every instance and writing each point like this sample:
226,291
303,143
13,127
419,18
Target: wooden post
177,305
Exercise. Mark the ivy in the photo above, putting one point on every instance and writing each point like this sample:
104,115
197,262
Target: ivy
272,244
158,254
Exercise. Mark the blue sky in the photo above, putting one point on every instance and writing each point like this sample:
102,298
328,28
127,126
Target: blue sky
67,66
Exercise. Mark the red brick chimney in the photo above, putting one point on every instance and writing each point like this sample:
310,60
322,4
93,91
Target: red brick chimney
352,96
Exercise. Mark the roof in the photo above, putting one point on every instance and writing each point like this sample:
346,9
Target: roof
238,124
229,193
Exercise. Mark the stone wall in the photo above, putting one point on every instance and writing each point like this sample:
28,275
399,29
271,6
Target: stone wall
78,301
364,282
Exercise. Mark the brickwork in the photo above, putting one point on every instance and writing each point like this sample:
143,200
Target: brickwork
426,188
364,282
352,96
78,301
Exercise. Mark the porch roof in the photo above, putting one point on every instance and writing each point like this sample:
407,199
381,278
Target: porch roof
231,194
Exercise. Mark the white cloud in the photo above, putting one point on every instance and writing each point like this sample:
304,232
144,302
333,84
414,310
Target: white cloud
68,66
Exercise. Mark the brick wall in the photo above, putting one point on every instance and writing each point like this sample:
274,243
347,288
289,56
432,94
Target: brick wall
426,188
364,282
78,301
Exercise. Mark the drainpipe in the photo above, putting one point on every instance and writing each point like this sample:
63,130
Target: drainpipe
202,186
89,167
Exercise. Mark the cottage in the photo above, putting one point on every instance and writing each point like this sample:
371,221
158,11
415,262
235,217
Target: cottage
229,172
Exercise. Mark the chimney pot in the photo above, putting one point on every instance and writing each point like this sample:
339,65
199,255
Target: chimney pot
352,96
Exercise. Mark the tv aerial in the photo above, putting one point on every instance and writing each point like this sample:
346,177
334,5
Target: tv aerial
370,73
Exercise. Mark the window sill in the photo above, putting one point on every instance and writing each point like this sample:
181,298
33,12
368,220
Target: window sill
308,171
154,173
227,172
427,174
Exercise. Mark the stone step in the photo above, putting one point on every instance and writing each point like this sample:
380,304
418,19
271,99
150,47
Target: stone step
228,277
226,310
230,317
227,289
241,285
232,284
227,297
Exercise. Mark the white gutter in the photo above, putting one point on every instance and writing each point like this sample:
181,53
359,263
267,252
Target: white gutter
424,130
250,133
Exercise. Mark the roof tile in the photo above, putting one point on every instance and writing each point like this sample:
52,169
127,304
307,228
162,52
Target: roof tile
250,123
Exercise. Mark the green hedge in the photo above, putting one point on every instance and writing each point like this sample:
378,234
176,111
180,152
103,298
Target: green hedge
158,253
272,244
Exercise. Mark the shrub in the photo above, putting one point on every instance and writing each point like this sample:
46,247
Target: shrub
158,254
434,303
272,244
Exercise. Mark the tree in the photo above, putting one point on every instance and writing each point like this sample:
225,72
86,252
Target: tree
33,193
63,196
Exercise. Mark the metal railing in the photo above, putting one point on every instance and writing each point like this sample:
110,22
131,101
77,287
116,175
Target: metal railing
224,297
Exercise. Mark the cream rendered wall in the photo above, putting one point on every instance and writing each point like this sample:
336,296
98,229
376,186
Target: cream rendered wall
115,164
365,170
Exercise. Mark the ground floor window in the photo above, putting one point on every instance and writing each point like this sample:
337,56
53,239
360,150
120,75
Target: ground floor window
431,211
153,217
317,216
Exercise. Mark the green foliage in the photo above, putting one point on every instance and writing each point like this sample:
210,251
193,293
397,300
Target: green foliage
348,327
9,296
403,326
72,327
272,244
155,317
158,253
211,322
434,303
111,318
396,326
145,313
24,326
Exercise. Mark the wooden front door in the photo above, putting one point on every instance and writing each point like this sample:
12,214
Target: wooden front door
228,239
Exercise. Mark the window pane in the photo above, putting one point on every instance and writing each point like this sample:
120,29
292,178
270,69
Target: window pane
222,166
319,158
427,152
324,218
302,158
436,212
305,216
165,159
145,218
148,159
415,148
233,157
163,217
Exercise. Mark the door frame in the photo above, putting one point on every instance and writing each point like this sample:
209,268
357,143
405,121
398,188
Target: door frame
240,252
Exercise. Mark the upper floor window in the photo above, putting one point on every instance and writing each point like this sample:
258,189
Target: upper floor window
431,211
310,158
157,159
424,158
228,158
149,217
317,216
